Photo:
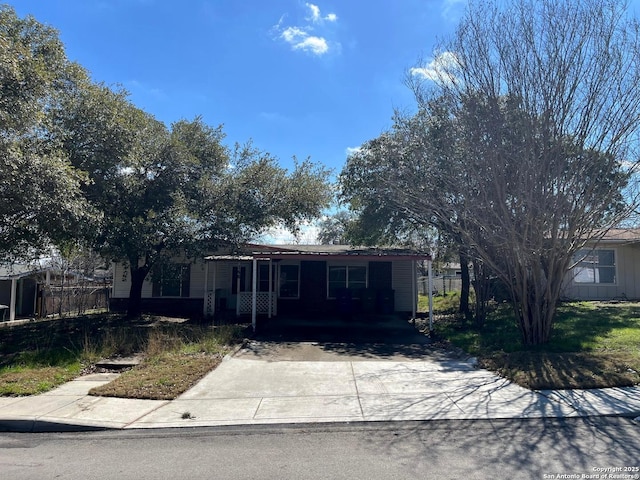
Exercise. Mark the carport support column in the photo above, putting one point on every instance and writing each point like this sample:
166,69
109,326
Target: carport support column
430,275
12,303
206,288
270,287
414,290
254,294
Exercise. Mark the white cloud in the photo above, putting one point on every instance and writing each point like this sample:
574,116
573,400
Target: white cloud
140,88
315,45
293,35
351,150
315,12
279,235
440,69
316,17
310,37
301,40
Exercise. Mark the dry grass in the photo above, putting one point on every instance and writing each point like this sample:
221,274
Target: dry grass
548,370
163,377
39,356
593,345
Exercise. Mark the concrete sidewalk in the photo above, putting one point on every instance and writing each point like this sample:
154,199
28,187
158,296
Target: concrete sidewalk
245,391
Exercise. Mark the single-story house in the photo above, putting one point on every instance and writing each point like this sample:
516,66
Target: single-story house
18,290
32,289
608,269
271,280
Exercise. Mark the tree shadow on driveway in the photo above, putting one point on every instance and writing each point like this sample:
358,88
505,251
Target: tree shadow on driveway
391,338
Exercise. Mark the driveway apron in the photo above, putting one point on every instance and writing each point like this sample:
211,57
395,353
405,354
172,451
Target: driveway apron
280,380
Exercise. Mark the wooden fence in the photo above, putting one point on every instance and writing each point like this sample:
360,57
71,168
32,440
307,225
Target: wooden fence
71,300
441,284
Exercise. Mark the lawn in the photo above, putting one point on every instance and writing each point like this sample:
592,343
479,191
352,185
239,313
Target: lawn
38,356
593,345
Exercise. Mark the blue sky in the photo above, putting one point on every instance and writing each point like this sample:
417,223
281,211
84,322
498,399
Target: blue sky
299,78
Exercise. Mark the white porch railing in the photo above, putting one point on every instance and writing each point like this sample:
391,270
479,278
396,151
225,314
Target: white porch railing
209,303
262,303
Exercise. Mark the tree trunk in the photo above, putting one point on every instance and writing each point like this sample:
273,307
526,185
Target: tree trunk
134,308
535,300
481,287
466,283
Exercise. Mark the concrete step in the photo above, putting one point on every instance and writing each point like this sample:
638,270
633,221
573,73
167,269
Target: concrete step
118,363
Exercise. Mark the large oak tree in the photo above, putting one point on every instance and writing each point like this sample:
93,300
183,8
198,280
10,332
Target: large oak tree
173,192
80,163
40,197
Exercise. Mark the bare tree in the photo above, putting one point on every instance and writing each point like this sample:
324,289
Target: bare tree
542,100
523,146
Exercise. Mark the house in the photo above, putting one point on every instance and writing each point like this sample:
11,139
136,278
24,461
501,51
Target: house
608,269
39,288
272,280
18,290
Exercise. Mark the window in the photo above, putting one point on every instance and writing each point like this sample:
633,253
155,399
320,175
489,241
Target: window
263,278
234,280
595,266
353,277
172,280
289,281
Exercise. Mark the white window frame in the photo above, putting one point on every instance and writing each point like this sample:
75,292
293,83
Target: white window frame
184,291
578,268
348,265
279,276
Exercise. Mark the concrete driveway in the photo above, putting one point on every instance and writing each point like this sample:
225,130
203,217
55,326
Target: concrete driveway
322,376
315,377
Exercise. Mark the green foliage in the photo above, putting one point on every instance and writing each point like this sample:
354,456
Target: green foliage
41,200
448,303
81,163
580,327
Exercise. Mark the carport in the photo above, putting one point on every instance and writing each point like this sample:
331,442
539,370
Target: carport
313,281
17,291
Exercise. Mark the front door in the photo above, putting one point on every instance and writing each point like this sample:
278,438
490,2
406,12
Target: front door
313,287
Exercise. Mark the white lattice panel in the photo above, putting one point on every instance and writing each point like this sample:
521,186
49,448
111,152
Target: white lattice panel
209,303
262,303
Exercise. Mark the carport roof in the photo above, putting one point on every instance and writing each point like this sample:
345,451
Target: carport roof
16,271
280,252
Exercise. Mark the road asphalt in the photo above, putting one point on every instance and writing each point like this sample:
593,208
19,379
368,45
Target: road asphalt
270,382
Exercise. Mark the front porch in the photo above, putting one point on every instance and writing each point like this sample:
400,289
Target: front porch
266,303
312,282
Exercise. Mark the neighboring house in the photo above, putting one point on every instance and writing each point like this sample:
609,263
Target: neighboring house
18,290
608,269
303,280
39,288
451,270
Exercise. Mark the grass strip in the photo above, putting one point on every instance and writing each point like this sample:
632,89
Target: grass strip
164,377
15,382
593,345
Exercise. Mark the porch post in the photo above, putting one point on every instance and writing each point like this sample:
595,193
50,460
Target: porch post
414,293
215,279
254,288
239,272
270,286
429,264
206,287
12,303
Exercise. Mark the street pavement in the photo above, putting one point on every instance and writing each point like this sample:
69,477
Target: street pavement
248,388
